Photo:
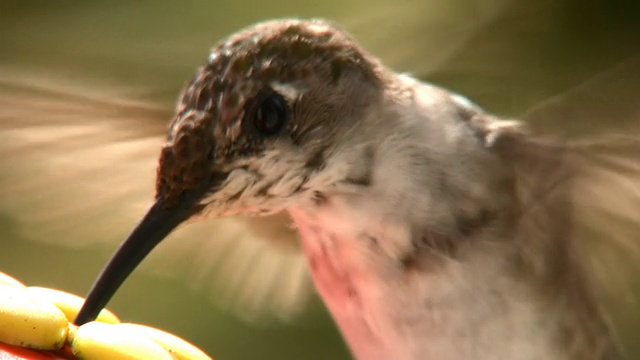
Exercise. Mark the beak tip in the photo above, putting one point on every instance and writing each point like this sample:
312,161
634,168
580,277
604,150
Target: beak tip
159,221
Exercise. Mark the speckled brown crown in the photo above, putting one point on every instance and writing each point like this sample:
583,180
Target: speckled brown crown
213,103
184,164
282,51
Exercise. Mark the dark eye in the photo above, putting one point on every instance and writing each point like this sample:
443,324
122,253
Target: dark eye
271,115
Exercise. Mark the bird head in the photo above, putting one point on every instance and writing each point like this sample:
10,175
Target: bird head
264,124
255,126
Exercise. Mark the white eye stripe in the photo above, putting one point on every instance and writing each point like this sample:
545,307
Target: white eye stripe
289,91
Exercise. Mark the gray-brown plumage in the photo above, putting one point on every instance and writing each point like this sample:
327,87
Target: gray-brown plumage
82,143
432,229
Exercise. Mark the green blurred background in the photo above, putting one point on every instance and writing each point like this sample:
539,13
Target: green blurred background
508,56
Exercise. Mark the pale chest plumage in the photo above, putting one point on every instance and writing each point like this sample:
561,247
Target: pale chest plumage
451,309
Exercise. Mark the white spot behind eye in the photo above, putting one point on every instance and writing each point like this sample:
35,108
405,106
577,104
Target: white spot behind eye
289,91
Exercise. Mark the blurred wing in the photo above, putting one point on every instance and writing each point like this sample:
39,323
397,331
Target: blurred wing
606,103
606,227
423,36
254,264
601,117
78,169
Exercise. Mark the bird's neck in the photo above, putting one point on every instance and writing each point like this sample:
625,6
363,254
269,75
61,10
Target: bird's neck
476,304
414,267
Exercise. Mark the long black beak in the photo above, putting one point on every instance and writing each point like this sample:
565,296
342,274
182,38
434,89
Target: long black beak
159,221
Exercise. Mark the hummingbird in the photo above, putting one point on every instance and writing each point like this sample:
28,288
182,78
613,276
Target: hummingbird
431,228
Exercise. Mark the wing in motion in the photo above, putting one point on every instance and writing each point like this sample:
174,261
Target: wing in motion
79,170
